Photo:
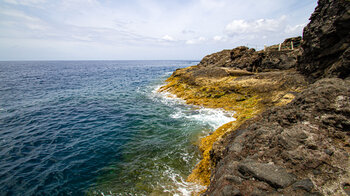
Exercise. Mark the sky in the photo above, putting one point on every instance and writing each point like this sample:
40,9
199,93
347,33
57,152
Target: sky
144,29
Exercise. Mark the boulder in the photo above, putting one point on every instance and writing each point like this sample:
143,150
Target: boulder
305,184
275,176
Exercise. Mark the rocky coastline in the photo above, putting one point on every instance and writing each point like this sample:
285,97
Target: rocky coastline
292,133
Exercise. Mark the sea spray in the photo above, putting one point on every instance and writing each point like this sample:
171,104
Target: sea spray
210,118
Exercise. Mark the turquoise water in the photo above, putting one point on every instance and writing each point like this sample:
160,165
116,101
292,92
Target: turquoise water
97,128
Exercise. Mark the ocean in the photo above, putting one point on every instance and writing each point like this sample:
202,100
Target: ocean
97,128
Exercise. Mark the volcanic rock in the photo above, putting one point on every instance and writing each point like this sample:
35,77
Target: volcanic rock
326,51
275,176
294,137
244,58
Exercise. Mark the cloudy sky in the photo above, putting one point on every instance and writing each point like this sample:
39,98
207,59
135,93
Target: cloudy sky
143,29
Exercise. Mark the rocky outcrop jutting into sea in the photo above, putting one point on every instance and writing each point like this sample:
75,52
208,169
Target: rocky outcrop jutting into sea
292,133
298,148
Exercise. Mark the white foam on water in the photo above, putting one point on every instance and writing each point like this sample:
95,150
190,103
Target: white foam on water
166,97
186,157
212,117
182,188
168,73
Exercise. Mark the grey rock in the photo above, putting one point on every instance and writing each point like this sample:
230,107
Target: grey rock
329,152
312,194
257,192
305,184
277,177
316,172
326,45
236,147
229,190
298,145
233,178
299,132
244,58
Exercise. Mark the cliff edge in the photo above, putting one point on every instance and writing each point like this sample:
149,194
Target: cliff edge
326,51
292,133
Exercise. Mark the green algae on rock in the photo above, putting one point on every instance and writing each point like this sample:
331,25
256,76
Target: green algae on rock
245,92
283,123
307,138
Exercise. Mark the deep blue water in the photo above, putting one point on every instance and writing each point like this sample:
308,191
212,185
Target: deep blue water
93,127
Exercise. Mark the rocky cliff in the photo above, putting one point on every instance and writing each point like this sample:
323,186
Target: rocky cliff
326,51
297,149
292,133
233,87
247,59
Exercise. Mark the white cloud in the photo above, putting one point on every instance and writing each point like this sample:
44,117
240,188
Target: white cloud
260,25
76,4
168,38
37,26
191,41
196,41
213,3
81,38
295,29
25,2
217,38
188,31
19,14
20,19
165,26
202,39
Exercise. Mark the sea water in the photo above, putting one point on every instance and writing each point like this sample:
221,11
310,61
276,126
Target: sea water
97,128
